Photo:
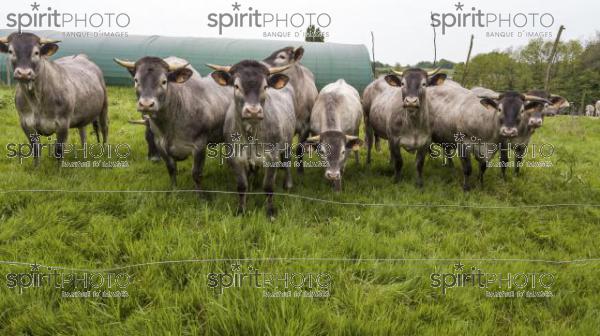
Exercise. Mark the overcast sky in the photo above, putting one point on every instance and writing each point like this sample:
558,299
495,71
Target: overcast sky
402,28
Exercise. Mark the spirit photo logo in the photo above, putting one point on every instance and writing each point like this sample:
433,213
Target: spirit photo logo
465,17
521,284
44,16
251,17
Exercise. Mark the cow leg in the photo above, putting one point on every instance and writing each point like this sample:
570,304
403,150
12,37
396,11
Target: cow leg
96,129
421,153
172,169
34,141
242,187
448,156
286,157
153,154
83,135
519,153
62,133
300,151
369,140
198,167
396,158
503,159
103,120
377,143
268,186
482,168
465,161
356,157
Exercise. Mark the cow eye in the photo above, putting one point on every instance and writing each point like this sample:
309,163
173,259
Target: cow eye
237,87
281,56
164,82
36,53
10,51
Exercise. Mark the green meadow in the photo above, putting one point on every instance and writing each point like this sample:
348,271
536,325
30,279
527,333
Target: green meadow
377,243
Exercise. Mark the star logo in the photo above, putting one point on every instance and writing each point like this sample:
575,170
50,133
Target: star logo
236,267
35,6
236,6
459,267
35,267
459,137
459,6
34,137
235,137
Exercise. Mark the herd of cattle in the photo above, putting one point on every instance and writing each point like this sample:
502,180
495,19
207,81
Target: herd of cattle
269,102
593,111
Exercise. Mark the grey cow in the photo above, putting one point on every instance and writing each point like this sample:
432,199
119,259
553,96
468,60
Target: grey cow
477,125
53,96
401,114
302,81
335,120
259,125
184,111
374,89
531,118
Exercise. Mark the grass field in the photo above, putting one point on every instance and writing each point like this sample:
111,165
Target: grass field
99,231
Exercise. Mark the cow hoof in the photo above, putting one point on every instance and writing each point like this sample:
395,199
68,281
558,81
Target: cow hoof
420,184
154,158
271,213
287,186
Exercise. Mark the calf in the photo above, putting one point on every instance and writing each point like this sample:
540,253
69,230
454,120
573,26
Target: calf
259,124
336,120
53,96
302,81
401,115
184,111
590,111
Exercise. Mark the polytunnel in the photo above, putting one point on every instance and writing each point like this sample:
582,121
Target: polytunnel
328,61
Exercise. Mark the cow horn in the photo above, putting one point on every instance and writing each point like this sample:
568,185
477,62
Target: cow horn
351,137
399,73
274,70
315,138
4,39
225,68
431,73
138,122
177,66
47,40
494,96
125,64
536,99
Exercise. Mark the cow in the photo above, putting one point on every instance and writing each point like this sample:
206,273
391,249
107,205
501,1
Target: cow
557,103
530,120
401,115
598,108
369,94
477,125
590,111
259,125
302,81
184,111
54,96
335,120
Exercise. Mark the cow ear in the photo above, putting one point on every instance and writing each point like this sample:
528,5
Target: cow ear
354,144
3,47
180,75
48,49
437,79
298,53
222,78
393,80
277,81
489,103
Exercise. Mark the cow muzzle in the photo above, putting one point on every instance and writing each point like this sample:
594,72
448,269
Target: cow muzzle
253,112
535,122
411,101
22,74
509,132
147,105
333,175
